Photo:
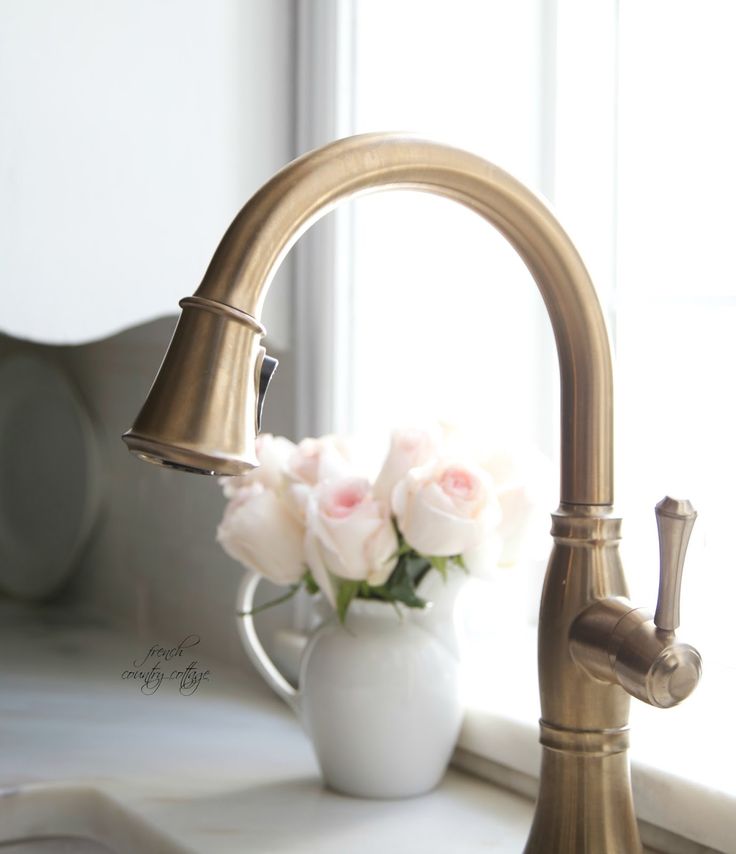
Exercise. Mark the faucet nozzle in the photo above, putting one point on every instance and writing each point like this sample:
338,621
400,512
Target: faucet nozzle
202,413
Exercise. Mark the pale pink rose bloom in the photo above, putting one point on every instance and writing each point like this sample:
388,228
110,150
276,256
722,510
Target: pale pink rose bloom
315,460
311,462
349,535
259,531
273,454
445,509
524,485
409,448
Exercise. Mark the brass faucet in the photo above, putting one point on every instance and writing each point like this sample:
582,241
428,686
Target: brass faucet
595,647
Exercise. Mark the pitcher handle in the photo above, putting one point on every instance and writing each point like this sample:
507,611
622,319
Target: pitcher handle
253,646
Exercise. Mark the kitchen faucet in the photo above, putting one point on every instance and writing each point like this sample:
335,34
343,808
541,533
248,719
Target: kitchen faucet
596,648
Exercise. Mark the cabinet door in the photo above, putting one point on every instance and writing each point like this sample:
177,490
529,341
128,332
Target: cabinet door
132,132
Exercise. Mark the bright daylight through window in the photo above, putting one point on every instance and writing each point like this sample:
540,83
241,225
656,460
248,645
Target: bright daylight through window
621,114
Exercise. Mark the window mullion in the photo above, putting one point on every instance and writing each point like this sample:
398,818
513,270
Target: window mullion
322,298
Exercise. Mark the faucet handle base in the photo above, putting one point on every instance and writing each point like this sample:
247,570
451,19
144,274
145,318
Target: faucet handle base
615,642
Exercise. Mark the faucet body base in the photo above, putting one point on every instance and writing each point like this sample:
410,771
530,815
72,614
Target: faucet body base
585,802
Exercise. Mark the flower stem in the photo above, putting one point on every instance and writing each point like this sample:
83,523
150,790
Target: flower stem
266,605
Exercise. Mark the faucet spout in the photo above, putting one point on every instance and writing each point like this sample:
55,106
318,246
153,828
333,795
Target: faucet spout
271,222
202,414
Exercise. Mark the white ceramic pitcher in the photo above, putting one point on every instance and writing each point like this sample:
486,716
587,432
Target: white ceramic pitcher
378,696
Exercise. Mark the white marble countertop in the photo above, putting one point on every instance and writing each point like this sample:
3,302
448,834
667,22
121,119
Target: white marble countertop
225,769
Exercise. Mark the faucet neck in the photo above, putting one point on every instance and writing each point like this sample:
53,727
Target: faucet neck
273,220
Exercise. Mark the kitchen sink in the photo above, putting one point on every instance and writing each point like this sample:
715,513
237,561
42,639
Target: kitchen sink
59,818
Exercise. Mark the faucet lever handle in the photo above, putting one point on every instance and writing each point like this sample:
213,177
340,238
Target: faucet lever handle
675,520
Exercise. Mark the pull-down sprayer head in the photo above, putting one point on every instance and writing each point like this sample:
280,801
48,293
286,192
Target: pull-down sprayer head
203,411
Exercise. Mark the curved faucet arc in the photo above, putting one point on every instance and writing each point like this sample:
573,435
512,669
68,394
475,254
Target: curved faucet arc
305,190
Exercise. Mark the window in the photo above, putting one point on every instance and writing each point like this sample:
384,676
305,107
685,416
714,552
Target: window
622,114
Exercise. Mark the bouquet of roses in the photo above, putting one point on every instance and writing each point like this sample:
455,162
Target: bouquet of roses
305,518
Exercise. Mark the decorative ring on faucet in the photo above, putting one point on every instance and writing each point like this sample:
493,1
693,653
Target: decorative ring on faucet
224,309
585,525
602,742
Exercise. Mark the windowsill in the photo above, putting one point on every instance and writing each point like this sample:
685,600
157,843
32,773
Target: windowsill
682,759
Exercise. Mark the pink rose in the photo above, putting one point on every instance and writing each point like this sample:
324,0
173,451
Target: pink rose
311,462
525,487
445,509
315,460
273,453
349,535
409,449
259,531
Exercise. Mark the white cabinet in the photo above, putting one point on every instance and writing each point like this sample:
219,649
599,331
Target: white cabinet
131,134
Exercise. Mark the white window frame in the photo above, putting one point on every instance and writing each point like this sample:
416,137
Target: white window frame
324,45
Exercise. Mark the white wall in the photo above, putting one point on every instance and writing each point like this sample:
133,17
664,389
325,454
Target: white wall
132,132
151,562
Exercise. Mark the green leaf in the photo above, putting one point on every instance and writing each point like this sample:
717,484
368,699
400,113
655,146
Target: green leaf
401,587
440,564
459,560
310,585
405,593
346,592
416,567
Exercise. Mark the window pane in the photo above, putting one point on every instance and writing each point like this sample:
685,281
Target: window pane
447,321
677,170
676,295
